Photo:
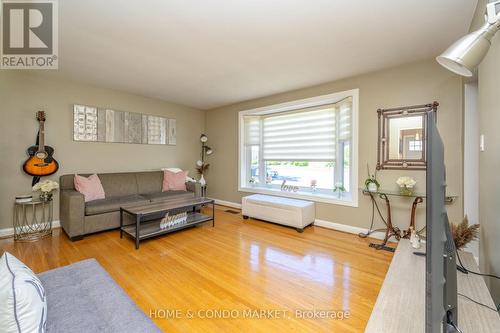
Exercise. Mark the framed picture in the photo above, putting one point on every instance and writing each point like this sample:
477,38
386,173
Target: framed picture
94,124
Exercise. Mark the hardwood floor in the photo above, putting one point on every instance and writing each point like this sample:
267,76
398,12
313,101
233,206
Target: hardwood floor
239,265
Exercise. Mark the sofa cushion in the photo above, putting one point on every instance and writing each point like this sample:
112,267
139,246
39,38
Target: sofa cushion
169,195
82,297
119,184
174,181
113,204
149,182
22,297
90,187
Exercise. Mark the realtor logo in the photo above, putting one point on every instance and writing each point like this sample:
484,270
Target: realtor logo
29,36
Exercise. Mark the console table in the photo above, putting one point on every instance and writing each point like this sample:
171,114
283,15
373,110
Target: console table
390,229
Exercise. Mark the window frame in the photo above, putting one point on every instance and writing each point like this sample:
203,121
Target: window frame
332,198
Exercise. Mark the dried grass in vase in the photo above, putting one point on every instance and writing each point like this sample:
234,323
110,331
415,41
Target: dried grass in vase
463,233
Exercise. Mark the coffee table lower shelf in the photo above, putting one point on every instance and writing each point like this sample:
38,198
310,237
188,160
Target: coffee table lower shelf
148,224
152,228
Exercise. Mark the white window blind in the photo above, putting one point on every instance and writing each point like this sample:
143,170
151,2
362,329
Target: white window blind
345,122
301,135
252,130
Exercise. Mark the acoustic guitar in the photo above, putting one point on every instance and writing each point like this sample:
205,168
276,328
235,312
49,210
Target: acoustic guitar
40,163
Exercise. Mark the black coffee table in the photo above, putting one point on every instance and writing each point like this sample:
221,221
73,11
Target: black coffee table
148,217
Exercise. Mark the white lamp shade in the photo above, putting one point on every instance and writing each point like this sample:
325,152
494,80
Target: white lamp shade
467,53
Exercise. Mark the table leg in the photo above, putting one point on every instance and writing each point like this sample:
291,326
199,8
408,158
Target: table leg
213,214
390,231
390,228
121,222
137,226
370,231
407,232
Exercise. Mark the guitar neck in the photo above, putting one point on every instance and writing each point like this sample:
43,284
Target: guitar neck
41,137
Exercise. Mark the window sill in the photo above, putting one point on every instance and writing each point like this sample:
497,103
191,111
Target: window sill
316,197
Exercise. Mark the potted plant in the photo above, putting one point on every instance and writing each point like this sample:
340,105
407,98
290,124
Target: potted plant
463,233
269,181
253,181
46,188
406,185
314,184
339,189
371,183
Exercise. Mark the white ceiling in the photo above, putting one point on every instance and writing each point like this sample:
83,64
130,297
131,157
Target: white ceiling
210,53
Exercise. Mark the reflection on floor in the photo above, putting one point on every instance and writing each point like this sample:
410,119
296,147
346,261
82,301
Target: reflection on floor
240,265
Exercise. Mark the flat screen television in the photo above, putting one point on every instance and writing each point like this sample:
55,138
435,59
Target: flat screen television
441,272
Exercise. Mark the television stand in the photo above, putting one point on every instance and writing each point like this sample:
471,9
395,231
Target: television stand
400,306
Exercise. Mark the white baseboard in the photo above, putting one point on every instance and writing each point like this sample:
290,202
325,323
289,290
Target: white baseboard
347,228
227,203
8,232
319,223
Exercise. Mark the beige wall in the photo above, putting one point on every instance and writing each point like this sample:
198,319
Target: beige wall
410,84
22,94
489,160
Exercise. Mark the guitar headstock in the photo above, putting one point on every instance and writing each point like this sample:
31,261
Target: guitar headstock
40,116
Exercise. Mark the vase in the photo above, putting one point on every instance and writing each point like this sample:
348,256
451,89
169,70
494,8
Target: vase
372,187
45,196
406,190
203,182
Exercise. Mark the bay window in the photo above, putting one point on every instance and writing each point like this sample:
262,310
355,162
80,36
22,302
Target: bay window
307,147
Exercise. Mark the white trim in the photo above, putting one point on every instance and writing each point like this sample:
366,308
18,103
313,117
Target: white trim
348,228
227,203
298,104
318,197
321,223
303,103
8,232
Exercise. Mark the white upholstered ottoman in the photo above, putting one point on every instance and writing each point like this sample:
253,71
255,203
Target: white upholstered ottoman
290,212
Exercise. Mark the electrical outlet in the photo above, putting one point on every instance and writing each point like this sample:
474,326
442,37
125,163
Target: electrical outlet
481,142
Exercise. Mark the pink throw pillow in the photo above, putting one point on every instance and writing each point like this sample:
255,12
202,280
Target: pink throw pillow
174,181
91,187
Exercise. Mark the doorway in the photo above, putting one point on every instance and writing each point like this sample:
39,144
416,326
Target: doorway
471,159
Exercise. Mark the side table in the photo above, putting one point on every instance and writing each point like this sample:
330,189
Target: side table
390,229
32,220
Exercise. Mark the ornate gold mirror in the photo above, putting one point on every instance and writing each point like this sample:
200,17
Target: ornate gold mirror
401,137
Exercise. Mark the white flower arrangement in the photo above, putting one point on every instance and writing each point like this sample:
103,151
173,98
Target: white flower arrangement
46,186
406,181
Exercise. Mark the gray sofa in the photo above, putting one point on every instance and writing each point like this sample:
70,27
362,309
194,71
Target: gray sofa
79,218
82,298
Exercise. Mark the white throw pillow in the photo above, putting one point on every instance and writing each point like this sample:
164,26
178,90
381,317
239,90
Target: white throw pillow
23,305
175,170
